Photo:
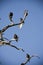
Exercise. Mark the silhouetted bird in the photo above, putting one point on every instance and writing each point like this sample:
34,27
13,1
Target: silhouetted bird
11,16
27,56
25,13
16,37
22,22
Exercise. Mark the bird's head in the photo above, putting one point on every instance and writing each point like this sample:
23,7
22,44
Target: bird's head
11,14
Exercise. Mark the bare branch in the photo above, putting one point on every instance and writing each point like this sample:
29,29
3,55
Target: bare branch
7,43
8,26
28,57
35,56
15,47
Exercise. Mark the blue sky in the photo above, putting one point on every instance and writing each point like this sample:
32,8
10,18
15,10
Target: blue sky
30,36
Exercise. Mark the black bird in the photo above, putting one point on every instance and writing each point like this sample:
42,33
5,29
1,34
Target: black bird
25,14
11,16
16,37
22,22
27,56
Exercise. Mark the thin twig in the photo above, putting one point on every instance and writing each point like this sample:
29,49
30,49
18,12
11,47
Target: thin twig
16,47
28,58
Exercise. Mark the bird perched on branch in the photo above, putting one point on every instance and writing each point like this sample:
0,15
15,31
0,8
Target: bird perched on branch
22,19
28,57
15,38
25,13
22,22
10,17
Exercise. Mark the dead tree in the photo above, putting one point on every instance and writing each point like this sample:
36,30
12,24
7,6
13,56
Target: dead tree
5,41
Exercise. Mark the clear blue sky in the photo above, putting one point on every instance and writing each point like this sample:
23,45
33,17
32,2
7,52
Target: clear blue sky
31,34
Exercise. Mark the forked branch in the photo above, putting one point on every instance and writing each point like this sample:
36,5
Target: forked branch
8,43
28,58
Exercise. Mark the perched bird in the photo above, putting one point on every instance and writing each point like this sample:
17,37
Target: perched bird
22,22
28,57
10,17
25,13
22,19
15,38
